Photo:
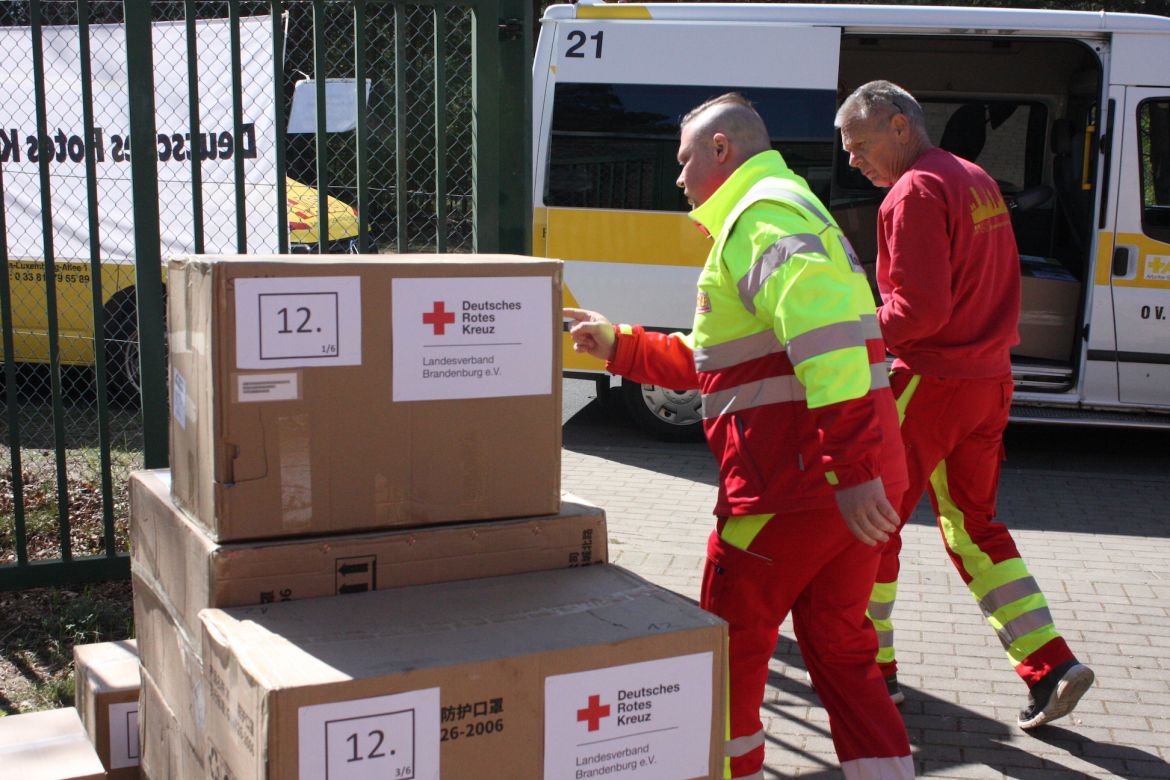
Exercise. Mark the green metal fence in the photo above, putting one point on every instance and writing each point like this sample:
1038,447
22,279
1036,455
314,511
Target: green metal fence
152,128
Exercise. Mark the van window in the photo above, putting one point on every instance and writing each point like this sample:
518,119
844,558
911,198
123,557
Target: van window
1005,138
615,146
1154,143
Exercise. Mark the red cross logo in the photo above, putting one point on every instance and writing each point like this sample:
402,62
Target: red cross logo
439,317
593,713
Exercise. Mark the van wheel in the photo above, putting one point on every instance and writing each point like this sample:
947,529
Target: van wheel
669,415
123,380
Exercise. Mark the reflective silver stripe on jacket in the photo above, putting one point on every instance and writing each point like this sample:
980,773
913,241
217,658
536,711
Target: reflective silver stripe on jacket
829,338
770,261
773,390
717,357
1024,624
741,746
1005,594
885,638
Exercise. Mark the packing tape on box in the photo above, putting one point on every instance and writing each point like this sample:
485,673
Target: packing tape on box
296,472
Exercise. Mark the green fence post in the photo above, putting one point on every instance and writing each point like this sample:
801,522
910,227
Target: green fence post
515,126
147,252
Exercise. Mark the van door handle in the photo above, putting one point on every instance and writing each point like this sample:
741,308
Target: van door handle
1121,261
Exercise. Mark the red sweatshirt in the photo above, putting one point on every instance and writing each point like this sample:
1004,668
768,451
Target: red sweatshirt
948,271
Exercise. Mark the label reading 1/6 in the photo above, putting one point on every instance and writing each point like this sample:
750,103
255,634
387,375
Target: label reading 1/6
295,322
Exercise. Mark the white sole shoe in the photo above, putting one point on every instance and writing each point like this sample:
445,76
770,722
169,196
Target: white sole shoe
1062,700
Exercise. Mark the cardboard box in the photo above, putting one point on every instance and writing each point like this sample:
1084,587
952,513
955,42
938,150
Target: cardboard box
530,675
172,658
195,572
1049,296
106,686
167,753
48,745
315,395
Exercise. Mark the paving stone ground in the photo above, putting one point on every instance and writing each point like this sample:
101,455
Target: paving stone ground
1097,543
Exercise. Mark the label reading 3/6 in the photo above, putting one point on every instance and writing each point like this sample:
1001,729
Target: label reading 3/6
393,737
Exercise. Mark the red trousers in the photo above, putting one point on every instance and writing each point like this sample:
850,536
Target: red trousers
953,434
809,564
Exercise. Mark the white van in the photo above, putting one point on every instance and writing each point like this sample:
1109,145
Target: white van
1069,111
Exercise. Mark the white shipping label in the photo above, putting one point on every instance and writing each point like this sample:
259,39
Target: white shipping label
472,337
267,387
300,321
395,737
649,720
123,734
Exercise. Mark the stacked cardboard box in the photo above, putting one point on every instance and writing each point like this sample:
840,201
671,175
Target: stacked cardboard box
1049,302
48,745
106,688
341,427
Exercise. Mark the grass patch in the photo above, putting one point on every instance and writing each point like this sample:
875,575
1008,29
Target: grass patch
40,629
41,625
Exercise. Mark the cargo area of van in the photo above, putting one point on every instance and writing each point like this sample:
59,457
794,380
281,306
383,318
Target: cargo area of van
1022,109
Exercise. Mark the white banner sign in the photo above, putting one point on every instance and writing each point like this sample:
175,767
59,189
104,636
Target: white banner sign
472,337
644,721
64,146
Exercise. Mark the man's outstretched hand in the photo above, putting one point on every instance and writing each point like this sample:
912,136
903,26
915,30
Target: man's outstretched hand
592,333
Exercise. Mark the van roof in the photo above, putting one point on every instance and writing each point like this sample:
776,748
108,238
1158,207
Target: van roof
874,17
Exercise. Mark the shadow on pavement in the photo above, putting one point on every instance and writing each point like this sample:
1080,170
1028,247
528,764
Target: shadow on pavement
938,729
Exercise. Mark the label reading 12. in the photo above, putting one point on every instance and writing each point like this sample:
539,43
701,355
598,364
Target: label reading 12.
298,322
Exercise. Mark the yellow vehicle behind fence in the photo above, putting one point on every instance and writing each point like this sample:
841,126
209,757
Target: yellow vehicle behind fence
74,296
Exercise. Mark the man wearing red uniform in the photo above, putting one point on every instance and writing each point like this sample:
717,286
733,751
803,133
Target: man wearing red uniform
798,413
949,276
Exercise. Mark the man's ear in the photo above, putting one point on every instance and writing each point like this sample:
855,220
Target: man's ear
722,147
900,126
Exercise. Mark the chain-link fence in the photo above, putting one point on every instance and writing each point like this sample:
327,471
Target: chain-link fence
255,166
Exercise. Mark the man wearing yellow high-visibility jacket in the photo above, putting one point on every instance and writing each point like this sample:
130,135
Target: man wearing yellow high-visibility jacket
798,412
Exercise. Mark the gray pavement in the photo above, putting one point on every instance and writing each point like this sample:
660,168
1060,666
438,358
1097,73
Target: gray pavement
1093,531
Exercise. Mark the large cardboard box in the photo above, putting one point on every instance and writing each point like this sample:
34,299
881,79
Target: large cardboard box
194,572
1049,296
47,745
167,753
172,657
546,674
322,395
106,686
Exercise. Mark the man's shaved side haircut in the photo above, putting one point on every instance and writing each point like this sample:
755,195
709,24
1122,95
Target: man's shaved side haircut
733,115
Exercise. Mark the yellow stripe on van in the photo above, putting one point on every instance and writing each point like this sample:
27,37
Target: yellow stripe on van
1153,261
613,12
644,237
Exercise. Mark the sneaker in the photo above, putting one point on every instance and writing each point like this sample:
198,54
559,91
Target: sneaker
1056,694
896,695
